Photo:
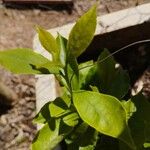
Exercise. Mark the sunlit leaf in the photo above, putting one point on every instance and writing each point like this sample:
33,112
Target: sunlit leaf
104,113
25,61
71,119
62,43
82,33
48,42
50,135
52,67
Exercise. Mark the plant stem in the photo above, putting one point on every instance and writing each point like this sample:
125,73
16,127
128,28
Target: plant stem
67,80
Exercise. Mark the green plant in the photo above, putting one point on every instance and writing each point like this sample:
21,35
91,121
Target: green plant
91,113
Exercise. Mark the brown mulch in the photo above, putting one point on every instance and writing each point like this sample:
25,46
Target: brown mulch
17,30
16,128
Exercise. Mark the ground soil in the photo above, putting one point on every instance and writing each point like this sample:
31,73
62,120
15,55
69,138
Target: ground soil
17,30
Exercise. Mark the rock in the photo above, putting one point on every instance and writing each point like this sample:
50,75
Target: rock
143,83
7,95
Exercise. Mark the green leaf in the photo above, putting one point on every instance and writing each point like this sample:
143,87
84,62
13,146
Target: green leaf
50,135
104,113
60,106
94,88
24,61
83,138
130,108
57,108
73,72
71,119
121,80
104,76
48,42
146,145
139,121
85,74
82,33
62,43
43,115
52,67
108,77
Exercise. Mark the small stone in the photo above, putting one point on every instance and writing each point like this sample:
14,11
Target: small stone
3,120
7,94
36,12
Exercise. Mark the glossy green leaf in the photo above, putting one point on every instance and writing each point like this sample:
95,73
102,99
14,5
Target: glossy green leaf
104,113
108,77
50,135
25,61
48,42
71,119
62,44
139,121
82,33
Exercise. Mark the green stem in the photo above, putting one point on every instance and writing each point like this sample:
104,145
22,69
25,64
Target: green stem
67,80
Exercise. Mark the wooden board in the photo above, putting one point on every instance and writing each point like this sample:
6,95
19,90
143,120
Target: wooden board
38,1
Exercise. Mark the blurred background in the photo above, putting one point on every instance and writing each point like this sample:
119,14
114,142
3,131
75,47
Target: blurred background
17,29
